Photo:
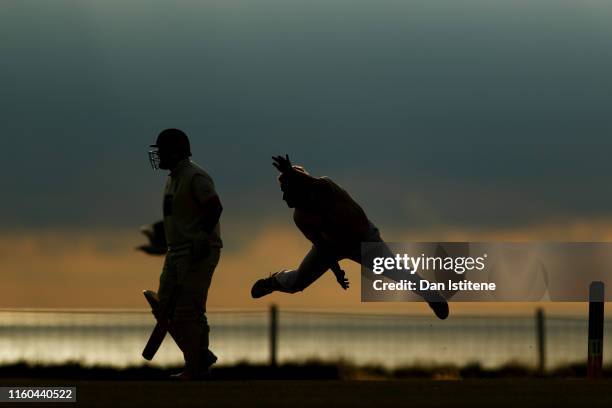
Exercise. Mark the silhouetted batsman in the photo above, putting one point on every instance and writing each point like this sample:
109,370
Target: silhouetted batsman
334,223
191,210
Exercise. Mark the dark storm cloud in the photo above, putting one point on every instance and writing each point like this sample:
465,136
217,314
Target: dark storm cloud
449,112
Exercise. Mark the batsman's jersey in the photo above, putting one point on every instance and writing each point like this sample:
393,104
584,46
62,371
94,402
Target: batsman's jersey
182,212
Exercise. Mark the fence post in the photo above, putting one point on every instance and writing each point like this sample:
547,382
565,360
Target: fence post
596,322
273,334
541,339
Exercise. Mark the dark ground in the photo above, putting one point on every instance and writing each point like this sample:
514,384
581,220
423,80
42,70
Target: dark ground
320,385
534,392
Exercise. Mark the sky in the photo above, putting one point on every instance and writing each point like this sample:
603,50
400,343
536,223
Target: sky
442,118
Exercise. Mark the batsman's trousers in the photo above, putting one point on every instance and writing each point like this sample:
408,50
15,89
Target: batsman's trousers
183,287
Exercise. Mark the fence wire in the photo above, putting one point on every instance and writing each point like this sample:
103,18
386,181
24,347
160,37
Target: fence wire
116,338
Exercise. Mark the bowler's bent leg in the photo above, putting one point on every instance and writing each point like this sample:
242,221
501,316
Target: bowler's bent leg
314,265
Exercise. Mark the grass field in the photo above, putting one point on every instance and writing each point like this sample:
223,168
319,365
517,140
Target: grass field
409,393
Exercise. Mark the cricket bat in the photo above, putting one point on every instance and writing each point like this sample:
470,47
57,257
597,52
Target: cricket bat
159,332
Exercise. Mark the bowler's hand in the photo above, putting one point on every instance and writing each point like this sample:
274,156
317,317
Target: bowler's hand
340,277
343,281
283,164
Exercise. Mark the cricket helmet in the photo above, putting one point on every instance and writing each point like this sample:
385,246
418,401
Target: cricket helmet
169,142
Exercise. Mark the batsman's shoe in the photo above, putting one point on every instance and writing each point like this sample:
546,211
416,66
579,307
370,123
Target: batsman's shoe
208,360
185,376
265,286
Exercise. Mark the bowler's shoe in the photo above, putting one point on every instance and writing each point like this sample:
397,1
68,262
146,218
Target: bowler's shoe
440,309
265,286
